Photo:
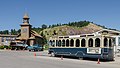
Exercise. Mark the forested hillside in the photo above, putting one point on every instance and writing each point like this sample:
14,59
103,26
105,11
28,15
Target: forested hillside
71,28
44,26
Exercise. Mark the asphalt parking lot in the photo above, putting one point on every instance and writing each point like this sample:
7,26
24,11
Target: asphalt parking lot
25,59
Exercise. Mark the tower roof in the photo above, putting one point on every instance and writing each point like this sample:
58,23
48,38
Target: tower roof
26,15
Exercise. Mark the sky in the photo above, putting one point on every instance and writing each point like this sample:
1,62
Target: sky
102,12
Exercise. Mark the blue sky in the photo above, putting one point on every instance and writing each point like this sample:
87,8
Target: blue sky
102,12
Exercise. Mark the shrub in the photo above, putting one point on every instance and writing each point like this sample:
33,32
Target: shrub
2,47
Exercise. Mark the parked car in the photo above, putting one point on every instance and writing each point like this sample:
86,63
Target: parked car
18,46
35,47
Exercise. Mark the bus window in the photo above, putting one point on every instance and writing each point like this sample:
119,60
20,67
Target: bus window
56,43
59,43
77,43
105,42
97,42
90,42
53,43
110,43
50,42
63,43
114,41
83,43
67,43
71,42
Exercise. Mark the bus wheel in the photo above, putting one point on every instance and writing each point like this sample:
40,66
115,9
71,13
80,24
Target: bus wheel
52,54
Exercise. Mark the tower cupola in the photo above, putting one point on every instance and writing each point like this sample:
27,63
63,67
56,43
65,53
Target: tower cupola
26,19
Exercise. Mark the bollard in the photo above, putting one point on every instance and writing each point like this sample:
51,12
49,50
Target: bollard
98,62
34,54
61,57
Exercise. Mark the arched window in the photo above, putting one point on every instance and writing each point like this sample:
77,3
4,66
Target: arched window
67,43
97,42
71,42
90,42
110,43
77,43
63,43
105,42
59,43
83,43
50,42
2,39
53,43
56,42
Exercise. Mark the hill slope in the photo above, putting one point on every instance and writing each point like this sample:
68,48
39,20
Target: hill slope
70,30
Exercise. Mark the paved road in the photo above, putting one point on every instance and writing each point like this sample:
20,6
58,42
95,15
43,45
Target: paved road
25,59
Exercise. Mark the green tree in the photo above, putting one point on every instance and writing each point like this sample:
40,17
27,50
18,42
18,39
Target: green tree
19,30
44,26
14,32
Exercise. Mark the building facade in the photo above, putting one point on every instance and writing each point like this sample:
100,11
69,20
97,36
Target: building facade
6,39
27,35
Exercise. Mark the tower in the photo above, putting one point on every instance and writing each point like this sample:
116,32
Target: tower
28,36
25,27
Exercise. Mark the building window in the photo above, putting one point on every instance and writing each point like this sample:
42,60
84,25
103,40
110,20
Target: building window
2,39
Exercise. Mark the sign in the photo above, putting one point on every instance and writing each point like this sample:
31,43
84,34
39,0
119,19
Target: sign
94,50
